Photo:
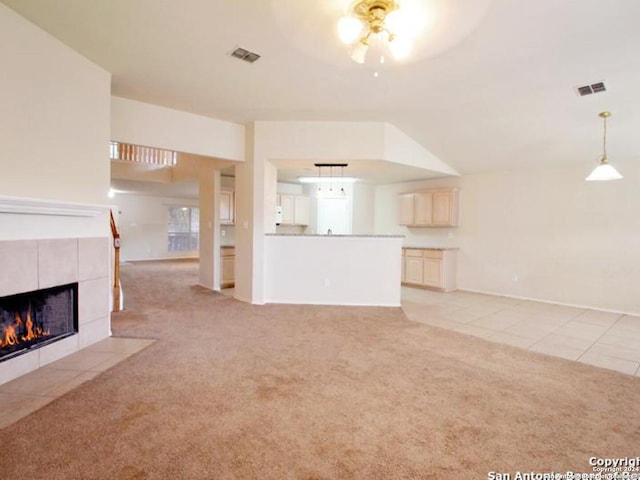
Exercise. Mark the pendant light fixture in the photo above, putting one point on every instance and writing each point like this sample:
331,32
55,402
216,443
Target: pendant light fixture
329,179
319,188
604,171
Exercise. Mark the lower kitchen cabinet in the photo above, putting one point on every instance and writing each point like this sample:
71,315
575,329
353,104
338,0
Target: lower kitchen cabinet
227,270
429,268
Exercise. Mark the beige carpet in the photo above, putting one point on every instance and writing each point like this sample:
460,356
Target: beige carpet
234,391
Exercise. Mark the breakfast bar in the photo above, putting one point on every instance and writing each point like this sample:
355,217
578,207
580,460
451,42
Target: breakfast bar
333,269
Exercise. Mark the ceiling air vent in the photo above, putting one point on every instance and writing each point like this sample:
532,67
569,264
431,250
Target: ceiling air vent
597,87
244,54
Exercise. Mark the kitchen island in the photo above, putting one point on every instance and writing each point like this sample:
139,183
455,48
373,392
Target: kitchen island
333,269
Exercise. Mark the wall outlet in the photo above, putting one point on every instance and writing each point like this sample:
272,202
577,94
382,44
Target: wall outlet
327,282
223,232
450,235
515,277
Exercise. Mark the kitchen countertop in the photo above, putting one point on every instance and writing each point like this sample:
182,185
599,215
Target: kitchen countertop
332,235
430,247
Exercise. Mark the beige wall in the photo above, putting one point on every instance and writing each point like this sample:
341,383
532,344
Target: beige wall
542,234
54,120
151,125
54,146
143,226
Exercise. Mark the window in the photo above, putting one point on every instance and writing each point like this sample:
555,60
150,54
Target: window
183,228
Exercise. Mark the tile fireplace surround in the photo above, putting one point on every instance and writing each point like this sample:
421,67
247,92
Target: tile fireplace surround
29,265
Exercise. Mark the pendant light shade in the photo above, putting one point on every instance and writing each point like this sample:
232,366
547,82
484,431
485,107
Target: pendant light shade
604,171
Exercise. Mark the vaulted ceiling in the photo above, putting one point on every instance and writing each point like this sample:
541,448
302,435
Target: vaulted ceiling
495,89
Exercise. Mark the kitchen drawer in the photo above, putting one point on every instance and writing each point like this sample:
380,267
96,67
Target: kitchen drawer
436,254
413,252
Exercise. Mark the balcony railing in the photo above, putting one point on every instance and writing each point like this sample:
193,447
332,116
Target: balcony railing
144,155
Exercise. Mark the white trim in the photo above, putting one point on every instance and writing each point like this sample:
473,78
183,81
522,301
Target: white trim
36,206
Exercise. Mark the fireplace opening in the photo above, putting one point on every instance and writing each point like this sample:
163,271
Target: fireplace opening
35,319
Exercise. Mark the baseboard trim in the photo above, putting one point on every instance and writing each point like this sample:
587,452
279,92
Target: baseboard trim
551,302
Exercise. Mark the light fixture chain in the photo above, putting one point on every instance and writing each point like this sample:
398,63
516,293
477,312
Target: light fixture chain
604,139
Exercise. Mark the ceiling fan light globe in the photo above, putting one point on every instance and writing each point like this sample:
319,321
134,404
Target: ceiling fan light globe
359,52
349,30
400,46
396,21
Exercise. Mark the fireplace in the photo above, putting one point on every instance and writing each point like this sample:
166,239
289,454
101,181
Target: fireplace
37,268
35,319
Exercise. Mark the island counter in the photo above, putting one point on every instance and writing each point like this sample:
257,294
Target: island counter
333,269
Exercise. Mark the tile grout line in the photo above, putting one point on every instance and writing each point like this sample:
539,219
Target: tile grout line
600,337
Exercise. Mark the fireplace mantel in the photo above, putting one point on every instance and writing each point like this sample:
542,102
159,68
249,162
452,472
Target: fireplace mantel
35,206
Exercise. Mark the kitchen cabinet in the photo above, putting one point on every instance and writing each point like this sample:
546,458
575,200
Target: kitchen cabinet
227,270
295,209
407,209
430,268
430,208
227,206
413,266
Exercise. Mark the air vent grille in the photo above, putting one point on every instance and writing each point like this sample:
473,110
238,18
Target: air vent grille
244,54
591,88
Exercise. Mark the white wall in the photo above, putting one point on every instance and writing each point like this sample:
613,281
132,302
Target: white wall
363,211
54,119
150,125
143,226
542,234
54,145
333,270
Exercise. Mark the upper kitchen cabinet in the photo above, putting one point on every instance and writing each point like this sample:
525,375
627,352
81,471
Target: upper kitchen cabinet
227,206
430,208
295,209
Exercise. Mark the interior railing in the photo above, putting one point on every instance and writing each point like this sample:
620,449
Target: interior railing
140,154
117,288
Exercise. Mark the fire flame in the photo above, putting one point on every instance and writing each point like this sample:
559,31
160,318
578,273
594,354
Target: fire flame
31,332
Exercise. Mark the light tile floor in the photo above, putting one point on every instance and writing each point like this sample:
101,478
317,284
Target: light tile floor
28,393
604,339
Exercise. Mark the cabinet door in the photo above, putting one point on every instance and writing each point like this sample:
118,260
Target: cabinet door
406,209
301,210
432,272
413,270
228,270
288,209
226,207
423,208
443,208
